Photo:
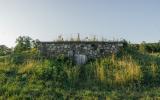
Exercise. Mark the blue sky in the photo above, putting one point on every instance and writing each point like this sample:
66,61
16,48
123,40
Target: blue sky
134,20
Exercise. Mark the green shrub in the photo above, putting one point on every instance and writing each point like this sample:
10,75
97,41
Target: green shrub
18,58
50,70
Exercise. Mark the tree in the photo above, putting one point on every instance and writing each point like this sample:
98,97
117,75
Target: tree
4,50
35,43
24,43
26,48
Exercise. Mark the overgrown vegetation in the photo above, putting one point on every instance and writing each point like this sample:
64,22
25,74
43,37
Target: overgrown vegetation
131,74
4,50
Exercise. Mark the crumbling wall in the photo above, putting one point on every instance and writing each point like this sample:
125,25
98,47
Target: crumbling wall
79,50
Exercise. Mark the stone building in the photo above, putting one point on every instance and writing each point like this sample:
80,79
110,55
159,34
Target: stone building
81,51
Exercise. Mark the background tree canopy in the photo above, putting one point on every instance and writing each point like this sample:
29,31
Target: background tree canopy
4,50
25,43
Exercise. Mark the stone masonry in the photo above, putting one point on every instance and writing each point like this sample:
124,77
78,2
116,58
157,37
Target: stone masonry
80,50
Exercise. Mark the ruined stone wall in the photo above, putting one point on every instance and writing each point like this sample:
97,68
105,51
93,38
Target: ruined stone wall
84,50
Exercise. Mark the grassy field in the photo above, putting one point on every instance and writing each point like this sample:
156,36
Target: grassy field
130,75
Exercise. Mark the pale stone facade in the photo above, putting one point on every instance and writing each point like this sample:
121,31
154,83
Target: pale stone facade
79,49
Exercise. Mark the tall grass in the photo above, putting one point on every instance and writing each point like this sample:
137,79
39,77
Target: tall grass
49,78
114,71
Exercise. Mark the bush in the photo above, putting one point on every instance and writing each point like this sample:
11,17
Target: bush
51,71
18,58
21,57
